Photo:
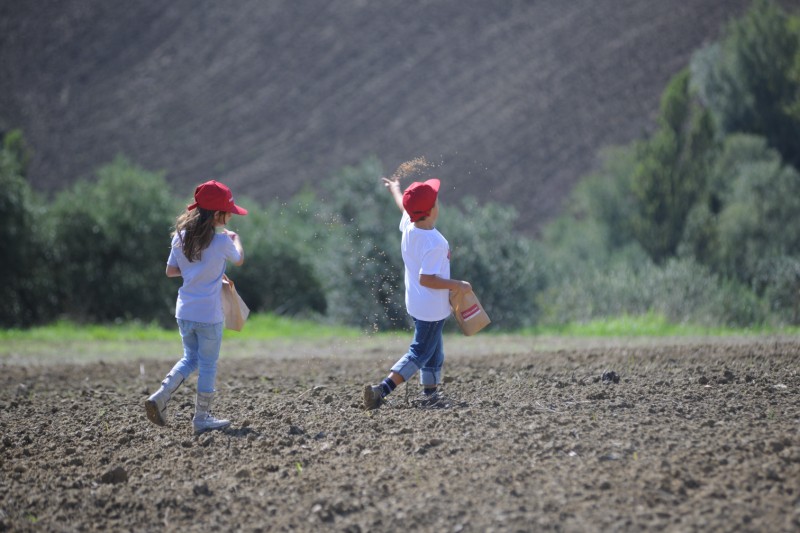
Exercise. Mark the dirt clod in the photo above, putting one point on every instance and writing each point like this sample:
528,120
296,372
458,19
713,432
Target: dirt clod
115,475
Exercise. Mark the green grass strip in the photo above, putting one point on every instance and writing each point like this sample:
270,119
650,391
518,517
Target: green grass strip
268,326
258,327
649,325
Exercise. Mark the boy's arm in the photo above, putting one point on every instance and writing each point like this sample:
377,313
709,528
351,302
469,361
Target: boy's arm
432,281
393,184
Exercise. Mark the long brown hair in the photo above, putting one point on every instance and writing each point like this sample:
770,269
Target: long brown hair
195,229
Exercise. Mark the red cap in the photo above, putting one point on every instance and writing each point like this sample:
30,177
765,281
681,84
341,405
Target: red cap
419,198
215,196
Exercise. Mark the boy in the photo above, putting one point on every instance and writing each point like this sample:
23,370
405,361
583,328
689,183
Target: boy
426,255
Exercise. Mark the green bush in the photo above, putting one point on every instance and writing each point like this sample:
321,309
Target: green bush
681,290
27,291
278,274
360,265
597,224
502,265
111,243
751,212
572,243
606,197
671,169
778,279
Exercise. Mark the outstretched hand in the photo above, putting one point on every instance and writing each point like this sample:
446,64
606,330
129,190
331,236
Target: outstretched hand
393,182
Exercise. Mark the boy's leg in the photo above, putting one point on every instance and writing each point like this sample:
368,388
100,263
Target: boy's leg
430,375
426,344
422,349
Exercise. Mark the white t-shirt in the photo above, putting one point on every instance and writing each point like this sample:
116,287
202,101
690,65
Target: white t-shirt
199,297
425,251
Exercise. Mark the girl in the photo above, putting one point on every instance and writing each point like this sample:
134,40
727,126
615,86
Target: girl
200,248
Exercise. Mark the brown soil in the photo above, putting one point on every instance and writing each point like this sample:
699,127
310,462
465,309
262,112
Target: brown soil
696,436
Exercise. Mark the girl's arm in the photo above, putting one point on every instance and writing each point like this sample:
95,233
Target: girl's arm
237,242
393,184
173,272
432,281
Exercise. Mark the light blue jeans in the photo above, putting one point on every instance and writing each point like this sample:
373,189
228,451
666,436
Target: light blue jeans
425,354
201,344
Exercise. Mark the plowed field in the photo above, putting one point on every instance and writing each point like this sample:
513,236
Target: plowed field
696,436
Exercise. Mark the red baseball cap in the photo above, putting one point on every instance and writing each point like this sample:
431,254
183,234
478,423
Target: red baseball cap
215,196
420,197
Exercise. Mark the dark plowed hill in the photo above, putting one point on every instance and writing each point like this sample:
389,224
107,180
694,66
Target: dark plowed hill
513,98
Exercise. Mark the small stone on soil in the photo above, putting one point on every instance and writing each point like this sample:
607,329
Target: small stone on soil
609,376
201,490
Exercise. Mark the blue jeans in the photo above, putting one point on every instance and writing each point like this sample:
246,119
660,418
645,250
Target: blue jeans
425,354
201,344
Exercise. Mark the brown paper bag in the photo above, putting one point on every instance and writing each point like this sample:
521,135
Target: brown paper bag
469,312
233,307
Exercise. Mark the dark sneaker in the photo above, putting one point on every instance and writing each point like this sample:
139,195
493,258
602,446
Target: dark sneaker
437,400
372,396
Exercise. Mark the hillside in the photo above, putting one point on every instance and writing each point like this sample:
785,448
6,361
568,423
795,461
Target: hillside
512,98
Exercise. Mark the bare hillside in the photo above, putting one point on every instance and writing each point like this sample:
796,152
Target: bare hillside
512,98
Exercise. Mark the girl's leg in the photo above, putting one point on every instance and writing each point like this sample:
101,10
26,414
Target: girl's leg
209,337
156,405
191,345
210,340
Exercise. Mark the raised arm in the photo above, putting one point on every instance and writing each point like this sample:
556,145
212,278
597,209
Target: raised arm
393,184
